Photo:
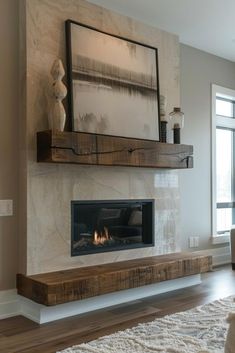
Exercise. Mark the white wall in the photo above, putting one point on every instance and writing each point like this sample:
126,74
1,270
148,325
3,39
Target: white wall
198,71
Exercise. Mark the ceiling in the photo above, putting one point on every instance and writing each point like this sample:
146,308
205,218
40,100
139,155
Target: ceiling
208,25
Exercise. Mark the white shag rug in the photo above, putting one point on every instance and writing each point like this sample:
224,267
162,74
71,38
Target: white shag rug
192,331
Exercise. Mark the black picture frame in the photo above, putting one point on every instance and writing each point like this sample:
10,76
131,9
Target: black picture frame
133,86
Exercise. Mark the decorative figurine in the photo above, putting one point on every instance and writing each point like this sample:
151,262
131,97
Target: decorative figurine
57,115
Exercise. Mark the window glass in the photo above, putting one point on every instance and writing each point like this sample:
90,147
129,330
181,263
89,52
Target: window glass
224,219
223,163
224,140
224,108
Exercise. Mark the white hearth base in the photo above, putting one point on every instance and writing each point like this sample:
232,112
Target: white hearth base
42,314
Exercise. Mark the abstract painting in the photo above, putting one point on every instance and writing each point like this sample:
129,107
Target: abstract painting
113,84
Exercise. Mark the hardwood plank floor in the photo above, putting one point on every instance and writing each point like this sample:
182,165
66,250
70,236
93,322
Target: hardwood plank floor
20,335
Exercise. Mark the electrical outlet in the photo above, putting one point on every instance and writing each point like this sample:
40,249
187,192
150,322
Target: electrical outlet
196,242
6,208
193,242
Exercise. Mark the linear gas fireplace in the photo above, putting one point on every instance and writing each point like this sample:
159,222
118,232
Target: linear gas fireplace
100,226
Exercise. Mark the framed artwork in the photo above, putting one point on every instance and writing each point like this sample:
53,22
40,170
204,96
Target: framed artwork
113,84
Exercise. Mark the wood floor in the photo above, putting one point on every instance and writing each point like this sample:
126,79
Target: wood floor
22,335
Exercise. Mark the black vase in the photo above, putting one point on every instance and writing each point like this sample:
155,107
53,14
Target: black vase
176,135
163,131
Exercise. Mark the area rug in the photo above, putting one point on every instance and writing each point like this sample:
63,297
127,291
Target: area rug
192,331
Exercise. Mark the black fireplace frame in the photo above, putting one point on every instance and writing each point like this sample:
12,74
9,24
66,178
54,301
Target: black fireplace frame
149,238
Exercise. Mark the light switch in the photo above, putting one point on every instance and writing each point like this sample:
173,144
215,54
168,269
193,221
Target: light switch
6,208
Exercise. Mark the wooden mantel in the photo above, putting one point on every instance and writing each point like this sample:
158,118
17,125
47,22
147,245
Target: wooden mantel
86,282
96,149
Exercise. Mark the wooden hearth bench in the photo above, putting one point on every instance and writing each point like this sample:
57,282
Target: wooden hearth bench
65,286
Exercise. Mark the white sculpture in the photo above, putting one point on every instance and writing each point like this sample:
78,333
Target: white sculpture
162,107
57,115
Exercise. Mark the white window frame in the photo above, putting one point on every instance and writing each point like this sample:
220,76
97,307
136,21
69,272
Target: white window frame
215,122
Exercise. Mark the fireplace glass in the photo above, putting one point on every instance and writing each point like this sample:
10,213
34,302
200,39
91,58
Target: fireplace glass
100,226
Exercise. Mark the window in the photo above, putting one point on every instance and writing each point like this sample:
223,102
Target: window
223,161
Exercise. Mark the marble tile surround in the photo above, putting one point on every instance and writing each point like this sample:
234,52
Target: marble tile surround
50,188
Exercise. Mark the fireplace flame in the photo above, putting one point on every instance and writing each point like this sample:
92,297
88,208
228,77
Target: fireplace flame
102,237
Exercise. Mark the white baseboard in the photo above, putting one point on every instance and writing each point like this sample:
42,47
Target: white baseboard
220,256
42,314
9,303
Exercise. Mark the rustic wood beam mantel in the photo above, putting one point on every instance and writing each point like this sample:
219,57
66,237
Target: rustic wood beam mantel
96,149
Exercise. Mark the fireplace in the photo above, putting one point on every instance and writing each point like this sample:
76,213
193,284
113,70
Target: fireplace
101,226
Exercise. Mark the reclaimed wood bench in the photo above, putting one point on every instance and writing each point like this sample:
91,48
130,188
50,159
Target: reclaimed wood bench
85,282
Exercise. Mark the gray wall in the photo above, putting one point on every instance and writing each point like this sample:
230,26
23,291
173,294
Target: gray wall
198,71
9,155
